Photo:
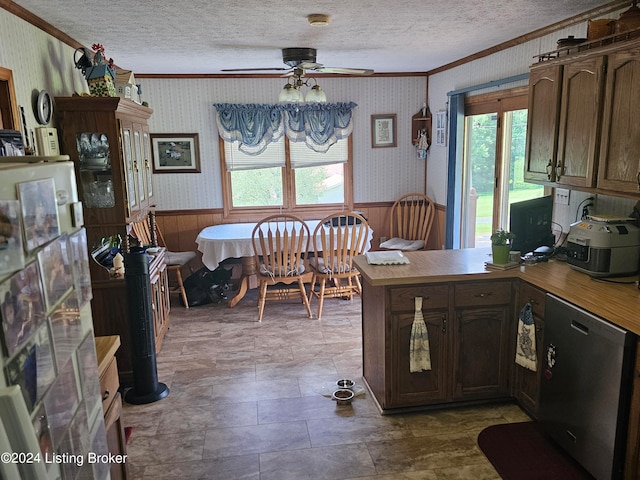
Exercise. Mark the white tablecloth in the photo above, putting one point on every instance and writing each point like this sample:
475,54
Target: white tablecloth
233,240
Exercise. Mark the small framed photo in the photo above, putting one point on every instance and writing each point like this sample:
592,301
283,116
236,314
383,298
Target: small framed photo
79,257
66,327
175,152
39,212
22,305
383,130
61,402
441,129
32,368
55,269
11,251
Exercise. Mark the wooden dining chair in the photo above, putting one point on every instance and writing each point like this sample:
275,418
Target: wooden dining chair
411,221
337,239
280,245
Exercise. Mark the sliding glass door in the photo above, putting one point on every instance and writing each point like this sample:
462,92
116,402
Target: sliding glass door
493,166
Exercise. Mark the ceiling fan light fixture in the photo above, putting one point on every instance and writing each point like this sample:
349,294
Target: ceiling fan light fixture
318,19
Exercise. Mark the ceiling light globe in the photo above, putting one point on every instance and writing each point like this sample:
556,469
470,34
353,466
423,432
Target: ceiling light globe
316,94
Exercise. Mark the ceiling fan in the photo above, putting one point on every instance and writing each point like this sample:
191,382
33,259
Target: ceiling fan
300,60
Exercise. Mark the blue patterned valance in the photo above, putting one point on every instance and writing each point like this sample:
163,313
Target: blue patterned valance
319,125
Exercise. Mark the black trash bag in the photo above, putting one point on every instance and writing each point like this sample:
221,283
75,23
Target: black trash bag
207,286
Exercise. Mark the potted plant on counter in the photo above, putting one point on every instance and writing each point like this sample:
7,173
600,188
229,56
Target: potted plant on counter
501,241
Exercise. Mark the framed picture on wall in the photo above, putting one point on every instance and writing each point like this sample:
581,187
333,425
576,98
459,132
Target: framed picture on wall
441,129
383,130
175,152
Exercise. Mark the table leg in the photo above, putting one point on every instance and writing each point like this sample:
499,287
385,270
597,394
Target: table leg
249,269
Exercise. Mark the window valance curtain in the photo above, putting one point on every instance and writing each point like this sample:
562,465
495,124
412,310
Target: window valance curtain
254,126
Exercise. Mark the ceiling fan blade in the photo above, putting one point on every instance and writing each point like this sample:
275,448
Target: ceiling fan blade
310,65
253,69
346,71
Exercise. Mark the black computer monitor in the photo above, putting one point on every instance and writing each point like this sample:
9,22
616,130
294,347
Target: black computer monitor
530,221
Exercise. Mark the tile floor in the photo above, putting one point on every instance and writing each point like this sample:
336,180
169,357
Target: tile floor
247,402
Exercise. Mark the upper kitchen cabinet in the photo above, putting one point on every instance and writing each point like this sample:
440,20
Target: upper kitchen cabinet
619,169
542,124
584,128
108,139
579,132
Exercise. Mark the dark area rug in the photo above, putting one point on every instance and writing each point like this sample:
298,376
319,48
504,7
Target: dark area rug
520,451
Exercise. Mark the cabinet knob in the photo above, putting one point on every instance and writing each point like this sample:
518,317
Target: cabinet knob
638,180
444,324
549,170
106,395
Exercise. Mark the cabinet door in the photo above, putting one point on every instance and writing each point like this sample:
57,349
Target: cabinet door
480,353
542,123
147,163
527,382
619,169
581,104
426,387
131,176
140,172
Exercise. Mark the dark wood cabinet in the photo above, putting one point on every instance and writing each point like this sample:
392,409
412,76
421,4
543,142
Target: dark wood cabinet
527,382
468,329
430,386
583,128
108,140
482,312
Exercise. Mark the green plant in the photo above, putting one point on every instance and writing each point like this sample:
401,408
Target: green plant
502,237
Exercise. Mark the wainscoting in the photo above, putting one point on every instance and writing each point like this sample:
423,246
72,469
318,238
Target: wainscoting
180,228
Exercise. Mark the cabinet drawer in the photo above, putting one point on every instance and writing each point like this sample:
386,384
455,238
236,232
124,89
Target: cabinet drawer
109,384
533,295
482,293
433,296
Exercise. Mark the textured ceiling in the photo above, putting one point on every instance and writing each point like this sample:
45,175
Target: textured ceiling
206,36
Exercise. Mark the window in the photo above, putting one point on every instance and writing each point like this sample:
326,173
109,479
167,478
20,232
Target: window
287,176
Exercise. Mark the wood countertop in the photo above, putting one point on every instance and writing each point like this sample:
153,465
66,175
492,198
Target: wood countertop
618,303
105,350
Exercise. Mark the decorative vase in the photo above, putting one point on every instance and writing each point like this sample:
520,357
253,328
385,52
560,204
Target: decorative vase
500,254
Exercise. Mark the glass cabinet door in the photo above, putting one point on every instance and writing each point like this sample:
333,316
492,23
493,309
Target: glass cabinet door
131,177
95,170
139,166
147,163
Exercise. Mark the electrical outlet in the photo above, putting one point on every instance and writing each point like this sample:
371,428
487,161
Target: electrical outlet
562,196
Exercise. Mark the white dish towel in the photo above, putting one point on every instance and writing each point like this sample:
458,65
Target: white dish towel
419,354
526,339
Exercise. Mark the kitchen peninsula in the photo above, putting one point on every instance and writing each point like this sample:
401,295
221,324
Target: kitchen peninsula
471,316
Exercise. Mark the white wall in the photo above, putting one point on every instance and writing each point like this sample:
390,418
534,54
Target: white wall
380,174
38,61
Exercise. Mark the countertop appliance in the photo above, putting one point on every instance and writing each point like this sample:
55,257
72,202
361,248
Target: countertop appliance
604,246
586,386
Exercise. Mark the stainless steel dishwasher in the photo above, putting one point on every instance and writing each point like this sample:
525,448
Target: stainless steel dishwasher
586,384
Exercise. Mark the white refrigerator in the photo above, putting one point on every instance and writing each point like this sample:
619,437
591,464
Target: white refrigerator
51,419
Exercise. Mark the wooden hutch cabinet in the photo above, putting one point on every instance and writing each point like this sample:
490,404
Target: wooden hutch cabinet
108,140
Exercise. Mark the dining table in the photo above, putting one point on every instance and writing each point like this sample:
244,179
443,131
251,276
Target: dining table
234,240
